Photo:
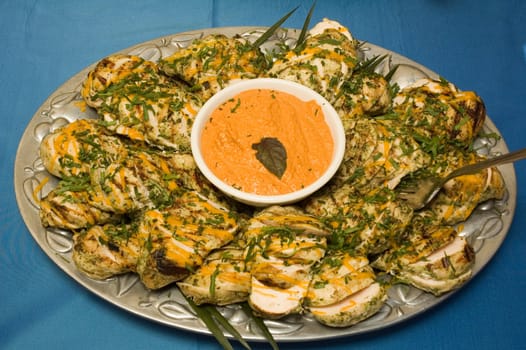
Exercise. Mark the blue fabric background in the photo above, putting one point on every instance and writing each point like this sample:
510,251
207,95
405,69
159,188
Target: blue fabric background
479,45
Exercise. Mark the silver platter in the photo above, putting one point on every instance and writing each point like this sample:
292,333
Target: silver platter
485,230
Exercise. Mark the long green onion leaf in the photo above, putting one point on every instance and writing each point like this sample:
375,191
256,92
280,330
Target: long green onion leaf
272,29
391,72
305,28
226,325
208,319
261,325
369,65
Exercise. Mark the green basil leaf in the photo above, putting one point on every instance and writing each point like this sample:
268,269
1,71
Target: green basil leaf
272,154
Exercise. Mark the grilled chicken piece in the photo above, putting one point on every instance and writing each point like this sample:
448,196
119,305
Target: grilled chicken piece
442,271
285,233
160,114
71,210
291,217
136,101
328,63
223,279
325,60
377,153
282,245
178,238
98,183
119,189
274,302
337,276
368,224
162,246
461,195
101,252
84,146
353,309
363,94
141,181
71,153
148,180
438,110
420,242
110,74
208,64
78,147
436,261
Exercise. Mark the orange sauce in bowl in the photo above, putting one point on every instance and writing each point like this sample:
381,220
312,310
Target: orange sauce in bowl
229,136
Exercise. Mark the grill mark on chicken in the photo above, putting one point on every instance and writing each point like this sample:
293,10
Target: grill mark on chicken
165,266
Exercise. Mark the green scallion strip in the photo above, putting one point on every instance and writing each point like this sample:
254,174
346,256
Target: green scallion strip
272,29
261,325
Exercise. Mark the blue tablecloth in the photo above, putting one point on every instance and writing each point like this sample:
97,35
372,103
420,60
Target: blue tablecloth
479,45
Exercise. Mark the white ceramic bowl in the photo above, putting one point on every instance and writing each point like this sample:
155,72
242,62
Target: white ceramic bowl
300,91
